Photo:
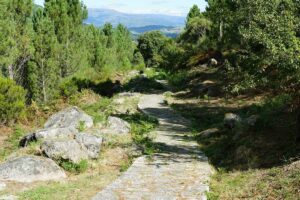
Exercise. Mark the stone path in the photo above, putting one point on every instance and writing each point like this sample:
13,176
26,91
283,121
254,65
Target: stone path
179,171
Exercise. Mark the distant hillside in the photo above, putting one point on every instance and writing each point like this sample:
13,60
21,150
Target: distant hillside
169,31
99,17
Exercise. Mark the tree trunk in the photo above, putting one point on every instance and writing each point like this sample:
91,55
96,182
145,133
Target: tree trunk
11,72
221,30
44,83
298,125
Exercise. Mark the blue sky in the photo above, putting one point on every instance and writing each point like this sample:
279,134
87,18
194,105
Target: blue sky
170,7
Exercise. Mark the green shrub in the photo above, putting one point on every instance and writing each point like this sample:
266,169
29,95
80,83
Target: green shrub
68,88
76,168
178,79
12,101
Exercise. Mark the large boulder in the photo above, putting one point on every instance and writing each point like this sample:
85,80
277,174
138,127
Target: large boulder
116,125
29,169
56,133
91,143
49,134
231,120
69,150
70,117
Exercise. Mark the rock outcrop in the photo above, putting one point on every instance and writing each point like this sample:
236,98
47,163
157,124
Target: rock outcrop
70,117
116,125
63,125
30,169
56,133
91,143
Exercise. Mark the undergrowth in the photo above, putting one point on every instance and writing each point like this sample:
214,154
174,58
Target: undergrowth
141,127
76,168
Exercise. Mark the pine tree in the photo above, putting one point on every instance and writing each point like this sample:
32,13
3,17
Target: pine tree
8,44
18,38
68,16
194,12
43,69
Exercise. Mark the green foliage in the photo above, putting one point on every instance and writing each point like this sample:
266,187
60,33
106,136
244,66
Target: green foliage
43,71
43,48
81,126
150,45
68,87
138,61
12,101
178,79
100,110
194,12
76,168
125,165
266,34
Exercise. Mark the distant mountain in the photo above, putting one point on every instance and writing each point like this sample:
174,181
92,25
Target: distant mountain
99,17
137,23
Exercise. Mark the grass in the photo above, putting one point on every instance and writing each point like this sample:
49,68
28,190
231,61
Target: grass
273,183
141,127
99,110
75,168
12,142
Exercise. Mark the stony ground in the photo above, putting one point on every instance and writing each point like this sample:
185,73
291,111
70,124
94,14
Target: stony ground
179,171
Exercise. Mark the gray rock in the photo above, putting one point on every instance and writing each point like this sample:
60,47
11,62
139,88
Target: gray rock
252,120
64,149
8,197
56,133
128,94
213,62
91,143
2,186
29,169
70,117
116,125
133,73
231,120
209,132
50,133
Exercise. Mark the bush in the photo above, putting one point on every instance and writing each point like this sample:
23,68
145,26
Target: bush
68,87
178,79
12,101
